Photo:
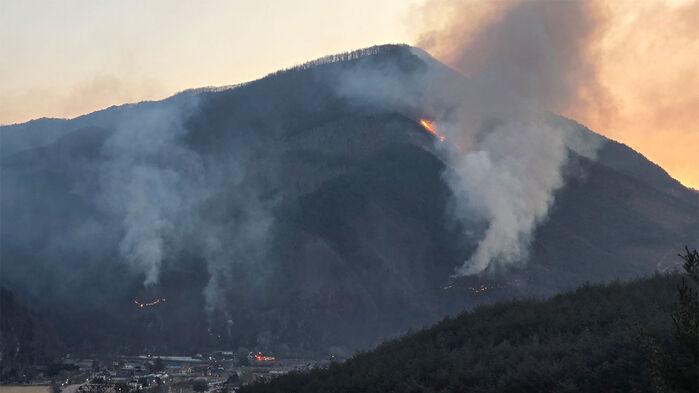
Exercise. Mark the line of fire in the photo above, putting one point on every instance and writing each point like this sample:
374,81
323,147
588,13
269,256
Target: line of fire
431,127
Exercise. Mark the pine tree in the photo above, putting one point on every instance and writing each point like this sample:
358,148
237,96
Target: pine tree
683,370
676,368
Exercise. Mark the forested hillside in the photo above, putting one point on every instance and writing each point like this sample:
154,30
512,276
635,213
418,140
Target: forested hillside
26,338
307,212
583,341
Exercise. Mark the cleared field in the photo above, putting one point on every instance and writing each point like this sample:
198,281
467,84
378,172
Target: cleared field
24,389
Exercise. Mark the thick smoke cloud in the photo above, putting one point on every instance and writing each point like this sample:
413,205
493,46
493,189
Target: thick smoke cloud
522,60
600,63
508,180
504,152
147,183
171,199
539,51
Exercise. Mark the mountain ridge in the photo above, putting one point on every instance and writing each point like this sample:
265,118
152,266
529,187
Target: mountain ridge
583,341
324,218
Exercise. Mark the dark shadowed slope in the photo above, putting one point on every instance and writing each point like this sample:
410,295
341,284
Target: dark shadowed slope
26,337
289,215
584,341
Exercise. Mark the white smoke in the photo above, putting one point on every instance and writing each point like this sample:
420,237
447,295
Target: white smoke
148,216
149,183
504,151
507,179
170,199
522,59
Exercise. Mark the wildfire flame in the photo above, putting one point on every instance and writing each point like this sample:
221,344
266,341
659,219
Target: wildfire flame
262,358
430,127
148,304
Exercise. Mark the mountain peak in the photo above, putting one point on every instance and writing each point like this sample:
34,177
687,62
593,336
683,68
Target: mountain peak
289,195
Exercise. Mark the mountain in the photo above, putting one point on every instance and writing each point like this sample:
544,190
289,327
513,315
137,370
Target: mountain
582,341
307,211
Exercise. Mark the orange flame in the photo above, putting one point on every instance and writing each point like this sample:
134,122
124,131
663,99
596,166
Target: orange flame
430,127
262,358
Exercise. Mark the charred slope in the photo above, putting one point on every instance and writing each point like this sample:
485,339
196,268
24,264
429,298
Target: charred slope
292,216
583,341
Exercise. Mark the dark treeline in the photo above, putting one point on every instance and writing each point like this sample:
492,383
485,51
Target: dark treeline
26,338
589,340
345,56
675,366
329,59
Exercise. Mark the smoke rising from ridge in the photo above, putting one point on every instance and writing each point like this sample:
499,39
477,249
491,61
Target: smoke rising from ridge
508,180
625,68
522,59
171,199
537,51
147,182
504,152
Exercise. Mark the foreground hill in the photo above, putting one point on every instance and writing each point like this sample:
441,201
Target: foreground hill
291,215
582,341
26,338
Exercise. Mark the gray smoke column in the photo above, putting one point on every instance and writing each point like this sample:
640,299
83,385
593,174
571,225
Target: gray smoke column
504,151
522,60
173,198
148,182
544,52
508,180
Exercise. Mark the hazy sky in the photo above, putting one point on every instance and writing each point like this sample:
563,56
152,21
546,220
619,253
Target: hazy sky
66,58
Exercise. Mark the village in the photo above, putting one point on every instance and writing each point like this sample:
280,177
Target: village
215,372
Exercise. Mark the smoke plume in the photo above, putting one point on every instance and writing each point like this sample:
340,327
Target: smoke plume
172,199
508,180
601,63
148,183
522,59
504,152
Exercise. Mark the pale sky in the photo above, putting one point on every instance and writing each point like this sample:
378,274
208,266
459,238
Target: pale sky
67,58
